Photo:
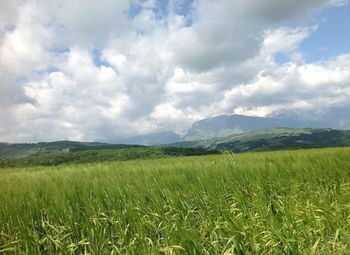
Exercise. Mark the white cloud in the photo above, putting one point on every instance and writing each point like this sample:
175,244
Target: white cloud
24,48
285,39
99,71
291,86
339,3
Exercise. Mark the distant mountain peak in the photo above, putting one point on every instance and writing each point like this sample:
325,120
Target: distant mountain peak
274,139
223,125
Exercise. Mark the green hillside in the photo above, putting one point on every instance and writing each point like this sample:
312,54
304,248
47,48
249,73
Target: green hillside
101,155
8,150
291,202
275,139
55,153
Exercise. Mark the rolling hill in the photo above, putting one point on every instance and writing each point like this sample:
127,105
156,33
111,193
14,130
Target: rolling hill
8,150
275,139
103,155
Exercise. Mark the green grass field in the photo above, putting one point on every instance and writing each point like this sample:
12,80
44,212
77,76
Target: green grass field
291,202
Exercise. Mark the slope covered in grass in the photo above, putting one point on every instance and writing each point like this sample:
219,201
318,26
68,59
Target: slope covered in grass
92,156
275,139
17,150
291,202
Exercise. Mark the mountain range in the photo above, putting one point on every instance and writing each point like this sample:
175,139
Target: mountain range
274,139
224,132
224,125
261,140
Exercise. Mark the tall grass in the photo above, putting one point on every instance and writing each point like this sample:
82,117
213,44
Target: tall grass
294,202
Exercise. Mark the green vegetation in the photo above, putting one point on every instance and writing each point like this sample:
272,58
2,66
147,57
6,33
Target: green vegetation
8,150
275,139
91,156
291,202
55,153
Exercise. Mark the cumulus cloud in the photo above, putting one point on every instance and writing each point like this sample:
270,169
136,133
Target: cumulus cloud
109,69
291,86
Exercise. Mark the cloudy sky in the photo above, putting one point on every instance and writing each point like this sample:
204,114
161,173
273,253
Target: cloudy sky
101,70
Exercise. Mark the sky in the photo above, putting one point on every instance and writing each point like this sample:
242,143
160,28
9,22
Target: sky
109,69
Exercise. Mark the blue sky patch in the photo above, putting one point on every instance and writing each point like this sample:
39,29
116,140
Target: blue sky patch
332,36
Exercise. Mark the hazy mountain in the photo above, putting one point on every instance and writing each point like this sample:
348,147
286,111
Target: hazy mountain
218,126
269,139
236,124
334,117
166,137
275,139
